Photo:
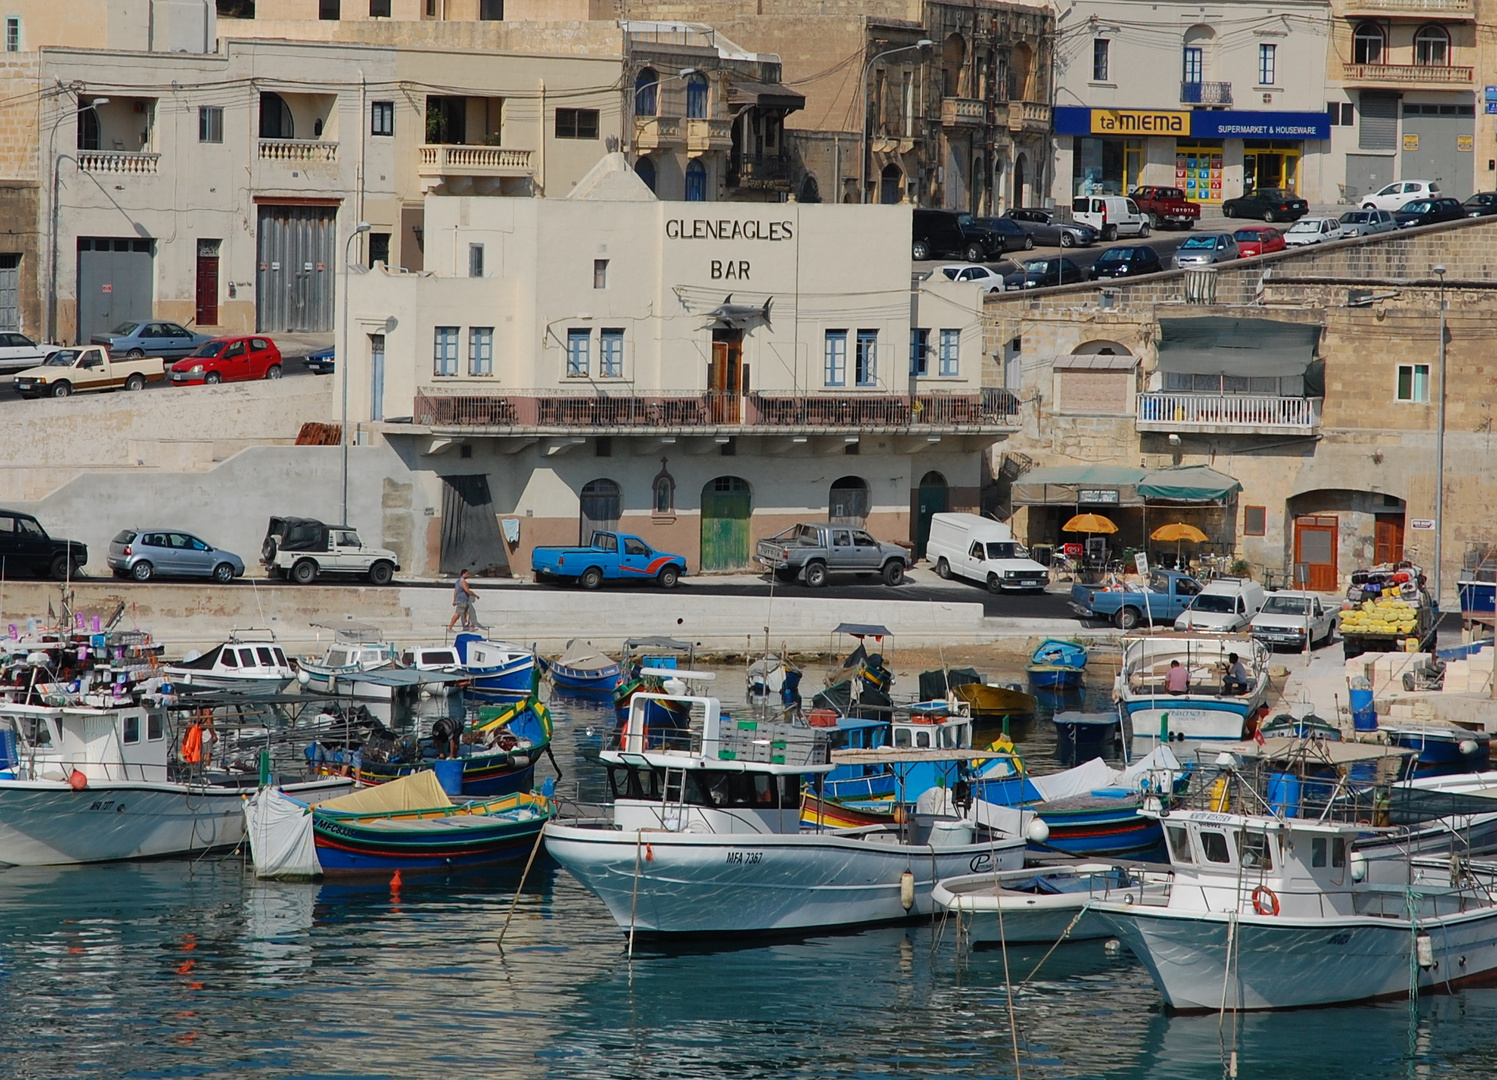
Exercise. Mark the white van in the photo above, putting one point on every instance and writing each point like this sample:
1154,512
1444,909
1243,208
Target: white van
1111,215
1225,606
979,548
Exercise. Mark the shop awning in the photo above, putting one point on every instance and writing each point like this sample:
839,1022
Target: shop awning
1190,483
1072,485
764,95
1214,345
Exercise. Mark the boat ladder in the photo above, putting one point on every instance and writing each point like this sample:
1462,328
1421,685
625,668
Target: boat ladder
673,800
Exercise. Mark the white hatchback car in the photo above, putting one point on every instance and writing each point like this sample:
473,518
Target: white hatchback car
990,280
1394,196
1316,230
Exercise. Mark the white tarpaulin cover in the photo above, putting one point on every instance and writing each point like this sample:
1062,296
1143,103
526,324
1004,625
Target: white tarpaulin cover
280,836
1082,780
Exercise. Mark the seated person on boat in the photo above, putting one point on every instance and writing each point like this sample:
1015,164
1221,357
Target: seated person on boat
1235,681
1177,679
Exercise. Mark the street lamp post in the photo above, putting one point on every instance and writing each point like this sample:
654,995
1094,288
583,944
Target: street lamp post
343,361
56,182
1440,444
922,44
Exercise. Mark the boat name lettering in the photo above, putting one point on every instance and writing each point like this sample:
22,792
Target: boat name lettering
727,229
107,804
980,864
1343,938
745,858
1219,819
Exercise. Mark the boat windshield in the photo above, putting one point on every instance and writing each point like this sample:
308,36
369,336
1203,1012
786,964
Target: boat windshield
1286,605
1215,603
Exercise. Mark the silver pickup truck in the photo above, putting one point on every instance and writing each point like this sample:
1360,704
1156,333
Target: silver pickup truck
812,551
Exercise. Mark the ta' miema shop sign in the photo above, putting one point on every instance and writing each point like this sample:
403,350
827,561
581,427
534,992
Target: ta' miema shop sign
1422,524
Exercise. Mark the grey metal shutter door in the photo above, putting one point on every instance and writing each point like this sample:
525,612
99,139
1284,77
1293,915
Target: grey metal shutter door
295,276
1366,173
1438,156
10,275
1378,129
116,282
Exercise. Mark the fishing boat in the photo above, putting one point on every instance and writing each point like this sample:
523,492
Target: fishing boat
250,666
860,685
989,701
1202,713
581,669
704,837
1299,724
408,824
1044,905
935,726
1081,736
647,664
496,669
1278,910
1442,748
1057,664
355,651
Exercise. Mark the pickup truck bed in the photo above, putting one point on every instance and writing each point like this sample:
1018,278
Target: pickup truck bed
610,557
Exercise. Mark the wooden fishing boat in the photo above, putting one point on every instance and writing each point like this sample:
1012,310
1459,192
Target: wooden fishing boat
498,669
1057,664
407,824
582,669
988,701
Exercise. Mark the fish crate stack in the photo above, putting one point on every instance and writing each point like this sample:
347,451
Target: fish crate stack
776,744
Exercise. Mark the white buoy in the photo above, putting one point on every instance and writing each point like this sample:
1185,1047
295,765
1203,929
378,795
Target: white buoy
1037,832
1358,866
1424,946
1468,747
907,890
303,677
1112,946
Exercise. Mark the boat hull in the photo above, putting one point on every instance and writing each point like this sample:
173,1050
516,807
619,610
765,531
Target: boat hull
663,883
1282,963
365,846
590,681
245,687
1037,917
1054,677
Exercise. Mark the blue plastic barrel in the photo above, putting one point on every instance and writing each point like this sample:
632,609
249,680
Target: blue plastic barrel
449,774
1283,794
1363,714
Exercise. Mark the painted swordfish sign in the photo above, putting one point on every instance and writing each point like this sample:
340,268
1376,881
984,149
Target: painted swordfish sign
739,315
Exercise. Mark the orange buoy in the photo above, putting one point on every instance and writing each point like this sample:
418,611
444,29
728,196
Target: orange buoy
77,781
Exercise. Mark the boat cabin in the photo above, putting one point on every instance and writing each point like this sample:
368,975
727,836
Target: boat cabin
434,658
103,744
242,660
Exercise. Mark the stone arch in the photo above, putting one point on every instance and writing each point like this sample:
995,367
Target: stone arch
601,503
1101,347
850,502
891,184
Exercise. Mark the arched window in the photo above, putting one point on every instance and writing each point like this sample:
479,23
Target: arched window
1432,47
1368,44
1021,59
696,96
275,118
88,129
890,185
600,505
953,60
644,168
647,92
696,182
850,502
809,191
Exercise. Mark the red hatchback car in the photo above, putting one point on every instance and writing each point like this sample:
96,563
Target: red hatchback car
228,359
1258,240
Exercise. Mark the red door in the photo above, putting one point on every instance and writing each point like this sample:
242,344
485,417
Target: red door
207,290
1315,548
1388,539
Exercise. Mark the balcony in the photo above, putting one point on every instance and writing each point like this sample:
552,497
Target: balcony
1226,414
1028,116
760,172
1412,8
299,151
598,411
704,136
655,132
117,161
499,162
1205,93
1406,75
963,112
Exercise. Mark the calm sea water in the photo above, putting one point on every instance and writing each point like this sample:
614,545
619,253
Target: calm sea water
171,969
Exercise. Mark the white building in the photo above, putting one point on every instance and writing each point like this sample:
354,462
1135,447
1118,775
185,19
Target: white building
1214,100
591,361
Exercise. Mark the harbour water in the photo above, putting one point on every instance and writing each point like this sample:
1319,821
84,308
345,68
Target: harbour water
177,969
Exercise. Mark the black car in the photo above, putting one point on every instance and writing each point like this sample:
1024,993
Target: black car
1482,204
1042,273
939,233
25,548
1006,235
1270,204
1130,261
1429,212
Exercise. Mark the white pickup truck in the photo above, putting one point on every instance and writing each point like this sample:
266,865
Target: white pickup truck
87,367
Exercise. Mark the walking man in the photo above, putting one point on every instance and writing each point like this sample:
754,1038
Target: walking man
462,603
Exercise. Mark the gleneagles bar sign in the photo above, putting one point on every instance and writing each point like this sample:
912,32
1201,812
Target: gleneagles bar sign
1198,123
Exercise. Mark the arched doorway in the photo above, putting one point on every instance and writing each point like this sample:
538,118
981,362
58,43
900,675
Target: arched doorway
275,117
646,92
890,185
727,503
931,499
1020,62
696,182
953,65
850,502
644,168
600,504
1021,179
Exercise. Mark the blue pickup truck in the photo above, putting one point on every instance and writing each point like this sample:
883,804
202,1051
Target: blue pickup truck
1169,593
610,557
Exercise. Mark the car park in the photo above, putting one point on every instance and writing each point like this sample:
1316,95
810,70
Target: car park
938,233
1482,204
1205,249
1000,235
1268,204
167,340
1225,606
18,352
1314,230
1396,195
1047,228
1128,260
1429,212
1367,222
25,548
143,554
991,280
1289,616
1111,215
812,551
1043,273
1166,207
321,362
228,359
1257,240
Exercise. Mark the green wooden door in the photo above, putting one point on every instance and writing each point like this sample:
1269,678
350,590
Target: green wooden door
931,500
726,505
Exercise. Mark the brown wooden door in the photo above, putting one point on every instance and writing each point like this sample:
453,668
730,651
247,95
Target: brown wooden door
207,290
1315,546
724,376
1388,539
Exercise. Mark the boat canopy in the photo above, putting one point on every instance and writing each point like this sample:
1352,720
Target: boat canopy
860,630
417,791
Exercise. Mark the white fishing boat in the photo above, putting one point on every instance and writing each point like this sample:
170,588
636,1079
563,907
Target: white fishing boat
242,665
704,837
1272,907
353,653
1204,712
91,783
1043,905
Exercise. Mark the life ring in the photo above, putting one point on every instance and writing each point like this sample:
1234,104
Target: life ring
1265,901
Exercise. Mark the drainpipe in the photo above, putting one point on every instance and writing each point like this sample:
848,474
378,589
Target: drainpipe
363,144
540,146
